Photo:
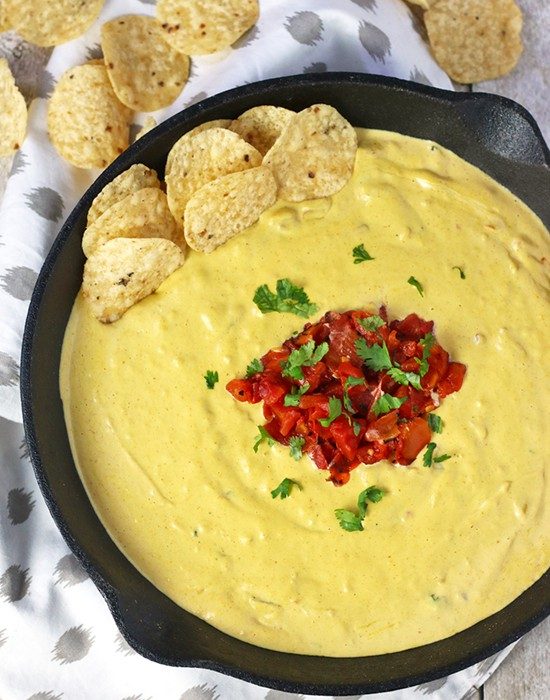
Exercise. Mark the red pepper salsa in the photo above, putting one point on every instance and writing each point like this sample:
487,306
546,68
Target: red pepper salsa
355,387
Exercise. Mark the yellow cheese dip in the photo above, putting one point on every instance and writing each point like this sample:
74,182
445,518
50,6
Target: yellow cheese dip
169,467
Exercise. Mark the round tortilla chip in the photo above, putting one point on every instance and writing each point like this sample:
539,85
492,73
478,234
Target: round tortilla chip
202,158
5,22
124,271
142,214
136,178
179,145
314,156
198,27
146,72
148,124
87,123
52,22
475,40
261,126
13,112
223,208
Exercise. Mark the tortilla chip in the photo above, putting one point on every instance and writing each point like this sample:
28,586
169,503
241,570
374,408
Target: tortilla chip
198,27
203,158
223,208
424,4
132,180
13,112
146,72
125,270
149,123
87,124
142,214
262,126
475,40
5,22
52,22
315,154
179,145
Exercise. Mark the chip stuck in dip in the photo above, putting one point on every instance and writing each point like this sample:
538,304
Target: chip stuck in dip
382,324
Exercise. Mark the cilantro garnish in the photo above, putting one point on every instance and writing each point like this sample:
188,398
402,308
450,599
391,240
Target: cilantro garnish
284,489
211,378
350,521
264,436
376,357
427,343
254,367
334,410
429,458
356,428
405,378
347,402
288,298
353,381
416,283
435,422
372,323
293,399
460,271
306,356
387,403
296,443
360,254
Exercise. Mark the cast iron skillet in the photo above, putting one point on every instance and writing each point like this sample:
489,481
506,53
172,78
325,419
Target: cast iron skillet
495,134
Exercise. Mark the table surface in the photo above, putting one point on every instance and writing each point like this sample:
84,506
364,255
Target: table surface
525,674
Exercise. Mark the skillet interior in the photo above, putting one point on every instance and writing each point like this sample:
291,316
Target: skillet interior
494,134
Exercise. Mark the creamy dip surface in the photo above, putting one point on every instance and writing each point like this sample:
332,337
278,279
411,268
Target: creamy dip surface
169,465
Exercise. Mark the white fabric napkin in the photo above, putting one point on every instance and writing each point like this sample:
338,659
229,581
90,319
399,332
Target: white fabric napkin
57,638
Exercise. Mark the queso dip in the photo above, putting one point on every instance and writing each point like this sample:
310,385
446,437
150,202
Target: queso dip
169,466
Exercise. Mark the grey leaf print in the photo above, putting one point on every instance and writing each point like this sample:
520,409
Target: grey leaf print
316,68
122,646
45,695
3,637
19,163
140,696
94,52
201,692
46,202
431,688
14,583
306,27
374,41
484,666
69,571
23,449
9,370
20,505
197,98
366,4
19,282
247,38
419,76
280,695
148,2
73,645
45,84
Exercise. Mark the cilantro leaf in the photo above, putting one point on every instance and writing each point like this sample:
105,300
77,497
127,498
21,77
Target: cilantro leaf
376,357
348,521
360,254
306,356
442,458
347,403
293,399
435,422
428,455
353,381
405,378
416,283
264,436
254,367
460,271
296,443
211,378
288,298
372,323
334,410
372,494
356,428
284,489
387,403
427,343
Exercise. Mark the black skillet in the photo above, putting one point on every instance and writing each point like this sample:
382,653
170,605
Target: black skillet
493,133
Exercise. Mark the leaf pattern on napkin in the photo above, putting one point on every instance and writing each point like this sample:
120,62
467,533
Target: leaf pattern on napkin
3,637
69,571
419,76
201,692
247,38
19,163
9,370
19,282
20,505
46,202
318,67
306,27
375,41
73,645
366,4
46,695
14,583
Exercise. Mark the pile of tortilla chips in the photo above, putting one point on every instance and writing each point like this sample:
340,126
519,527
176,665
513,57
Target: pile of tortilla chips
13,112
220,177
